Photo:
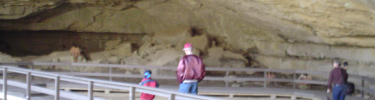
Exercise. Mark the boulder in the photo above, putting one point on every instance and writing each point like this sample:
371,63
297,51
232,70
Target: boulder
273,62
60,56
196,52
110,45
96,56
134,61
114,60
216,52
309,50
164,57
144,49
217,57
214,56
173,35
149,49
233,63
124,50
4,58
146,39
198,42
99,61
231,55
212,62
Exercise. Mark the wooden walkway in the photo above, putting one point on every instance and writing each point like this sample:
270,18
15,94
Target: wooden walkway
273,93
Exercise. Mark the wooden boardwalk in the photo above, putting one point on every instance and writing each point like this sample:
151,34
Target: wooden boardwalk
272,93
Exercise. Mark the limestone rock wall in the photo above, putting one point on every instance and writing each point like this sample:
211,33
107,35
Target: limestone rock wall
305,32
44,42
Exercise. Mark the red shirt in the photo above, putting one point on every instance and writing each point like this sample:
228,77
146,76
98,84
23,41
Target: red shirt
149,83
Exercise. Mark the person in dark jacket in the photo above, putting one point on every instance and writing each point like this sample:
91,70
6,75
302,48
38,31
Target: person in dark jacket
147,81
336,79
190,71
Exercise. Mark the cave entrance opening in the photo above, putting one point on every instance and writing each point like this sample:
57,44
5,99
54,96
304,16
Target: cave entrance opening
36,43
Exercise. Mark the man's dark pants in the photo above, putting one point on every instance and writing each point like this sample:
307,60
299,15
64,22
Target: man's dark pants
338,92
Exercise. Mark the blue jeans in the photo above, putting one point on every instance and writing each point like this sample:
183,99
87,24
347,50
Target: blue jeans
191,88
338,92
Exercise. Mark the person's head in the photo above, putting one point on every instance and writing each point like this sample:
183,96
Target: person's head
147,74
74,45
345,64
188,48
336,63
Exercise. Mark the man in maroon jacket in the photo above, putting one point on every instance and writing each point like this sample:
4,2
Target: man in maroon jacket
337,78
190,71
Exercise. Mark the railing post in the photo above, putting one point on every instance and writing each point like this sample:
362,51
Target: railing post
226,77
363,86
172,97
28,86
265,79
294,79
32,68
57,88
71,68
90,90
5,83
110,73
132,93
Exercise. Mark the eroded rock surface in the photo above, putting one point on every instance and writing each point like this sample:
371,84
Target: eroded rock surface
7,58
303,34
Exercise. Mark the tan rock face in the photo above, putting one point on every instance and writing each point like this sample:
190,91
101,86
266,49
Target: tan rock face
313,65
317,51
163,57
172,36
60,56
125,49
308,29
112,44
214,56
6,58
217,57
240,22
198,42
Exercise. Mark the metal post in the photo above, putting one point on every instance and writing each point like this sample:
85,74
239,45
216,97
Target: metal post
57,88
28,86
294,80
172,97
363,87
5,83
226,76
110,73
32,68
90,90
132,93
265,80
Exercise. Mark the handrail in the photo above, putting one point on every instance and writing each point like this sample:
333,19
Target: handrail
101,83
362,79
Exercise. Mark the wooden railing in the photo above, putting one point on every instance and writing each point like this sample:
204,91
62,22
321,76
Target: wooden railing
132,88
357,78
